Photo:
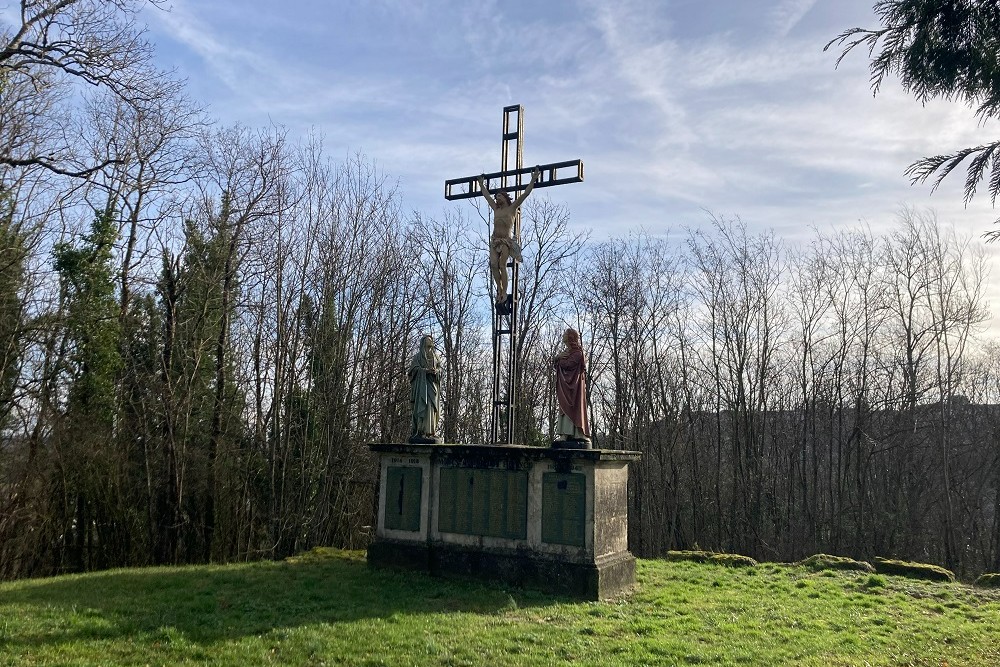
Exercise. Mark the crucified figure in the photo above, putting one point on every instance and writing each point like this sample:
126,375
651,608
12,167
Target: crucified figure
503,245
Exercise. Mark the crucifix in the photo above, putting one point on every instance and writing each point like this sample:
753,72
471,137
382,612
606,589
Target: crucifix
505,251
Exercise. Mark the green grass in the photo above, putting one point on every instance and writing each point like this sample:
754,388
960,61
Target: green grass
330,609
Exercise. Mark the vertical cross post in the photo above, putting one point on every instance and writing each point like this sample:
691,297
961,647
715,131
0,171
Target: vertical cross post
513,177
505,323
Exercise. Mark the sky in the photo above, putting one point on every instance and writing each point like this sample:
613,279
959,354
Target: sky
678,108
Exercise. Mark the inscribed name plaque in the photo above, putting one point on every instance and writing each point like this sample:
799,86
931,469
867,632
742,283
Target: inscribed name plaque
490,503
564,504
403,488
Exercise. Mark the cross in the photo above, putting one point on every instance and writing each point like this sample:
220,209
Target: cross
505,310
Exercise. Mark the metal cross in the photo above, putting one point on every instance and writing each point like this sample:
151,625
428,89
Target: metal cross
505,320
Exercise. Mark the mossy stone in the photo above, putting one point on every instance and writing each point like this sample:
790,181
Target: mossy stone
828,562
913,570
728,560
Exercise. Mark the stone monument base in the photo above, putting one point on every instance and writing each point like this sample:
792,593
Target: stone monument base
588,581
553,519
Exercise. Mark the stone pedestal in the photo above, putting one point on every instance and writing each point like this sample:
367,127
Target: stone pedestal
555,519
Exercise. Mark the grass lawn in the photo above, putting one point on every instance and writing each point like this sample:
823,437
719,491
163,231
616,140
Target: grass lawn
330,609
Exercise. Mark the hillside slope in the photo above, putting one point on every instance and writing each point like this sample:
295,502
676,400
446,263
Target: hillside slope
330,609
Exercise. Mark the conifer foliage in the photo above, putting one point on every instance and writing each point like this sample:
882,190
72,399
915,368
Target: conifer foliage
947,49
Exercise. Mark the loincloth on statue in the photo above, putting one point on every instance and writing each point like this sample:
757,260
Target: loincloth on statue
513,247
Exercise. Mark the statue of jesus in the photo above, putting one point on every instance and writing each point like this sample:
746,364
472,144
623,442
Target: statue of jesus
503,245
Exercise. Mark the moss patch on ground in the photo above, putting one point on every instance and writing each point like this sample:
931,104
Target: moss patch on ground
914,570
819,562
729,560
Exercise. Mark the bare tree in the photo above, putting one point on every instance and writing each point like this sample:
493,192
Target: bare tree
56,46
451,268
737,278
547,277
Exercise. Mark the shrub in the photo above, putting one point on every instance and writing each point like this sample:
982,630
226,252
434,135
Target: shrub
729,560
989,580
828,562
913,570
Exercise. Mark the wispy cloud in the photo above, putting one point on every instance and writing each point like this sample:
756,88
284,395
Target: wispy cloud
787,14
750,119
647,68
265,81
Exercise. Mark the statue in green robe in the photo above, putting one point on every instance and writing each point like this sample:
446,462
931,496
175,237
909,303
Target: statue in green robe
425,392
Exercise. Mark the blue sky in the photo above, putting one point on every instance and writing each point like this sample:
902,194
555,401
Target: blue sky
675,106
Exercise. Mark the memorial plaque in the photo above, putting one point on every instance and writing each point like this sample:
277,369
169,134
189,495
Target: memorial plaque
403,486
480,492
517,505
512,504
497,519
486,502
447,506
463,501
564,504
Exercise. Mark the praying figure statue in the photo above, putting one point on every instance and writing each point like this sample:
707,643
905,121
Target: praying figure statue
425,391
503,245
572,429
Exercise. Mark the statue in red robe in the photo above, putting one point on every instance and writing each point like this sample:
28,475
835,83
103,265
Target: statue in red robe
571,390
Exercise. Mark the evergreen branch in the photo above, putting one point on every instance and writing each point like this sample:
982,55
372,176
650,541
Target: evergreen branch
942,165
869,37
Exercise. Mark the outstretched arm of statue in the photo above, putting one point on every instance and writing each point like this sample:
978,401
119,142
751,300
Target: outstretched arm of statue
486,193
527,191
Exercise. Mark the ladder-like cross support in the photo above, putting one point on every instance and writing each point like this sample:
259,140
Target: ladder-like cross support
505,320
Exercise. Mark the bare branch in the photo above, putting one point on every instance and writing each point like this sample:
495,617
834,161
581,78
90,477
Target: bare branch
46,163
